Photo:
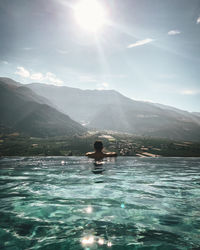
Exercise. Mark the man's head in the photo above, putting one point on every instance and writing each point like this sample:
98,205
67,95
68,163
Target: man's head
98,146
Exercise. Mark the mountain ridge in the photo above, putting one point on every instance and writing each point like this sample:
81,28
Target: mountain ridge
24,111
110,110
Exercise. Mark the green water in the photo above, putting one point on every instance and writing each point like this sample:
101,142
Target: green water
58,203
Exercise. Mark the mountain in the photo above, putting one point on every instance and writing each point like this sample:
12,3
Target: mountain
80,105
23,91
110,110
24,111
197,114
156,124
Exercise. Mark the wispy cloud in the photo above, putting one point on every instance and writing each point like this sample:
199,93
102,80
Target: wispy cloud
167,76
38,76
62,51
140,43
198,20
27,48
190,92
103,86
174,32
4,62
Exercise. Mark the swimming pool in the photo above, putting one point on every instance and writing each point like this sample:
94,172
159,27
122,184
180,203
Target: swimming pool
137,203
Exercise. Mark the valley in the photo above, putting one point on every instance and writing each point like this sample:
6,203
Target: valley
15,144
45,120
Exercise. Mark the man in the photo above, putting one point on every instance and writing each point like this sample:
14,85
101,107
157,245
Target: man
98,155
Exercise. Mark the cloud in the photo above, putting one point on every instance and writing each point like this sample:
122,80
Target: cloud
63,52
103,86
190,92
53,79
174,32
27,48
198,20
167,76
21,71
37,76
4,62
140,43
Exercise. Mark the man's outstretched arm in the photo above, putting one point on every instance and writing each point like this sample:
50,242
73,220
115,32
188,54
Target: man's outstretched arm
111,154
89,154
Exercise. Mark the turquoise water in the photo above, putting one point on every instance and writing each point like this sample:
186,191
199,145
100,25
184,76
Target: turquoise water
137,203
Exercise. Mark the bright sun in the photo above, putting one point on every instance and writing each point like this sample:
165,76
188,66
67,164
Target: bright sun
90,15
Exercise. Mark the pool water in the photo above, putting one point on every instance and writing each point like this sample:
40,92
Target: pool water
136,203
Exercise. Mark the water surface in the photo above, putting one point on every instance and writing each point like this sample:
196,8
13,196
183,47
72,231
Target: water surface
137,203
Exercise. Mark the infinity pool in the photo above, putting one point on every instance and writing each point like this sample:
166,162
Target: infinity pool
137,203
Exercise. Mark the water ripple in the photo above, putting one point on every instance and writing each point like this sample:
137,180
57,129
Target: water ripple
58,203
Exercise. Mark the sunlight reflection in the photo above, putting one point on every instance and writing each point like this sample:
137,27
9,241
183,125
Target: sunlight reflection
122,205
109,244
89,209
92,241
101,241
89,240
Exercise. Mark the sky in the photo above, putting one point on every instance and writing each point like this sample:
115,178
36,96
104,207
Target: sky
148,50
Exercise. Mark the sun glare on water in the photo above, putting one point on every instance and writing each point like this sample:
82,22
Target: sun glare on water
90,15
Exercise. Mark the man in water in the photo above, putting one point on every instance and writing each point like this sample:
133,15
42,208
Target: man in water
98,155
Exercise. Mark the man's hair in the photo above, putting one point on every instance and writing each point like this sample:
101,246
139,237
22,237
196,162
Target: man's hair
98,145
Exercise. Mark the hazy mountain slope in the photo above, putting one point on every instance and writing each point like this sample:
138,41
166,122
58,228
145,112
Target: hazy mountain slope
80,105
194,116
9,82
112,111
83,105
161,124
197,115
24,111
25,93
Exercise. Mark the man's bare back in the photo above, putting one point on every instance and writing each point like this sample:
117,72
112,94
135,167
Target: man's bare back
98,155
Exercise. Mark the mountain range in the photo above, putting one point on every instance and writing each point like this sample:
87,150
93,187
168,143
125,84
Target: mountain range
39,109
110,110
24,111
